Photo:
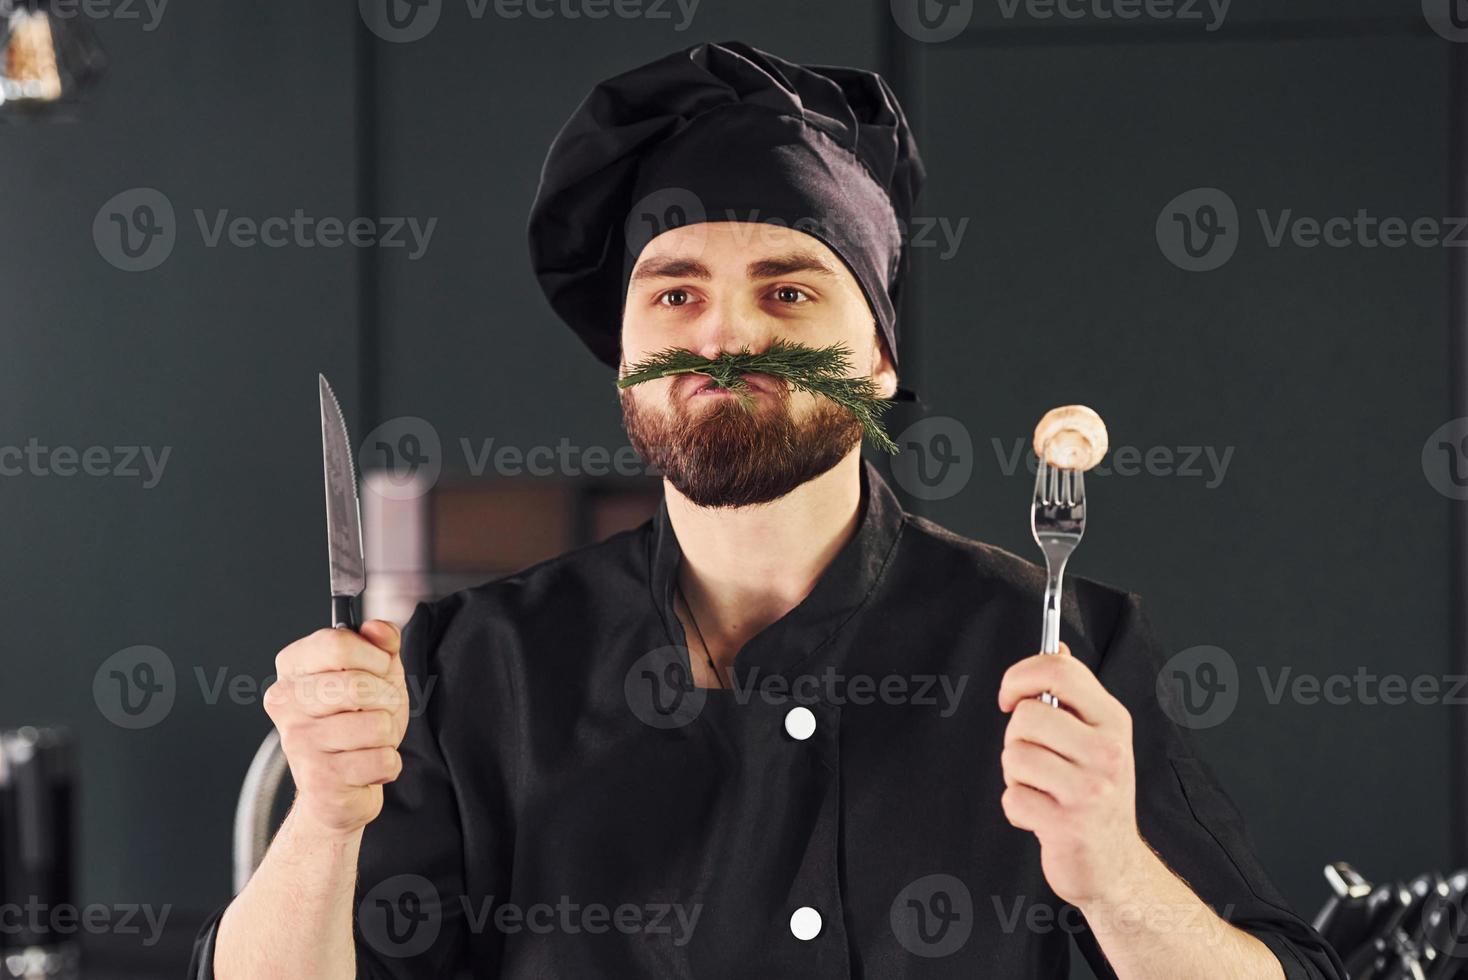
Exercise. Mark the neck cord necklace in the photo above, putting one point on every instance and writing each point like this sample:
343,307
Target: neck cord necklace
704,643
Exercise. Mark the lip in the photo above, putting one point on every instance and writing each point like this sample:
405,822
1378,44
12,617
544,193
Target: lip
698,385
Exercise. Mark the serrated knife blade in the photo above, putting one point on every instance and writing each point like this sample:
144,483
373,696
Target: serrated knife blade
343,511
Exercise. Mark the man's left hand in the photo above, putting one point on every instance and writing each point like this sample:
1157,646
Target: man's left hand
1071,777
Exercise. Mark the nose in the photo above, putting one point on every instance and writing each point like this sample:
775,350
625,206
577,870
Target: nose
727,327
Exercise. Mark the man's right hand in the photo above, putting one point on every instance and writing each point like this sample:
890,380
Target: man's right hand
340,703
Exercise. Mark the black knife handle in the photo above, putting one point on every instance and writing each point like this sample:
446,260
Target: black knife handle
343,614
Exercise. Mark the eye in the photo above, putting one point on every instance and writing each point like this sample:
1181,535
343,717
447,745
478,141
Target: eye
784,294
679,297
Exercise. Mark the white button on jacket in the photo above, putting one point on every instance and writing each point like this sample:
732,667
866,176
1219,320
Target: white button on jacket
805,923
800,723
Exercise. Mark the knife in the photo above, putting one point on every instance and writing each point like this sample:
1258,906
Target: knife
343,513
252,817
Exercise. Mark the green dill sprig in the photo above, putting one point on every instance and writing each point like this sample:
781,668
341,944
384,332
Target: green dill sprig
818,370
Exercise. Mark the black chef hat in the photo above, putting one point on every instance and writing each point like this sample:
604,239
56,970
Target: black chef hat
723,132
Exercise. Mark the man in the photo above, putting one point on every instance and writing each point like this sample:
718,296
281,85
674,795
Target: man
783,729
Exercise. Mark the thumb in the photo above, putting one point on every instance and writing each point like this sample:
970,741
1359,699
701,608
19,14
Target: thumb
383,635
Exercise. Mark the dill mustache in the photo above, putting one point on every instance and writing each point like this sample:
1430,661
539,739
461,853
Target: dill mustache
818,370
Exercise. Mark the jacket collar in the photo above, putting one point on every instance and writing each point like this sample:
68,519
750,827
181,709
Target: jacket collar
805,631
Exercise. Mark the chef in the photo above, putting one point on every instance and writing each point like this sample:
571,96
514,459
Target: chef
784,729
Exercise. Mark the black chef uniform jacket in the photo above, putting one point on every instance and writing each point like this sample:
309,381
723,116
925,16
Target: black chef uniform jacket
568,808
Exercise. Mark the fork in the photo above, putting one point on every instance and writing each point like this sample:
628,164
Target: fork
1057,519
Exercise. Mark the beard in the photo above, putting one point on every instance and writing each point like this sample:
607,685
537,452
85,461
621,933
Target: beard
727,455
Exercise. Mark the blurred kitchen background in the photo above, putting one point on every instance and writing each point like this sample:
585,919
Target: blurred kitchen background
1295,410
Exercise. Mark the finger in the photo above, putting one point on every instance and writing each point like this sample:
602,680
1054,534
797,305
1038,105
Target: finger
1028,809
351,730
1031,765
332,649
1063,676
383,635
320,695
1059,731
1063,651
367,767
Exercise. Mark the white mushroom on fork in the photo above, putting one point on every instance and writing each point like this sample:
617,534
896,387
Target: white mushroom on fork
1071,437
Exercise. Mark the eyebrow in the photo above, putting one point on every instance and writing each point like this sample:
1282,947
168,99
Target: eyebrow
769,268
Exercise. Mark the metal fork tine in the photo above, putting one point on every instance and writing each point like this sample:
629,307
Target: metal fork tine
1040,474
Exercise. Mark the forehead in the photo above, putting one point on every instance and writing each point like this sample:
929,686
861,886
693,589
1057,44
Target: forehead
742,249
